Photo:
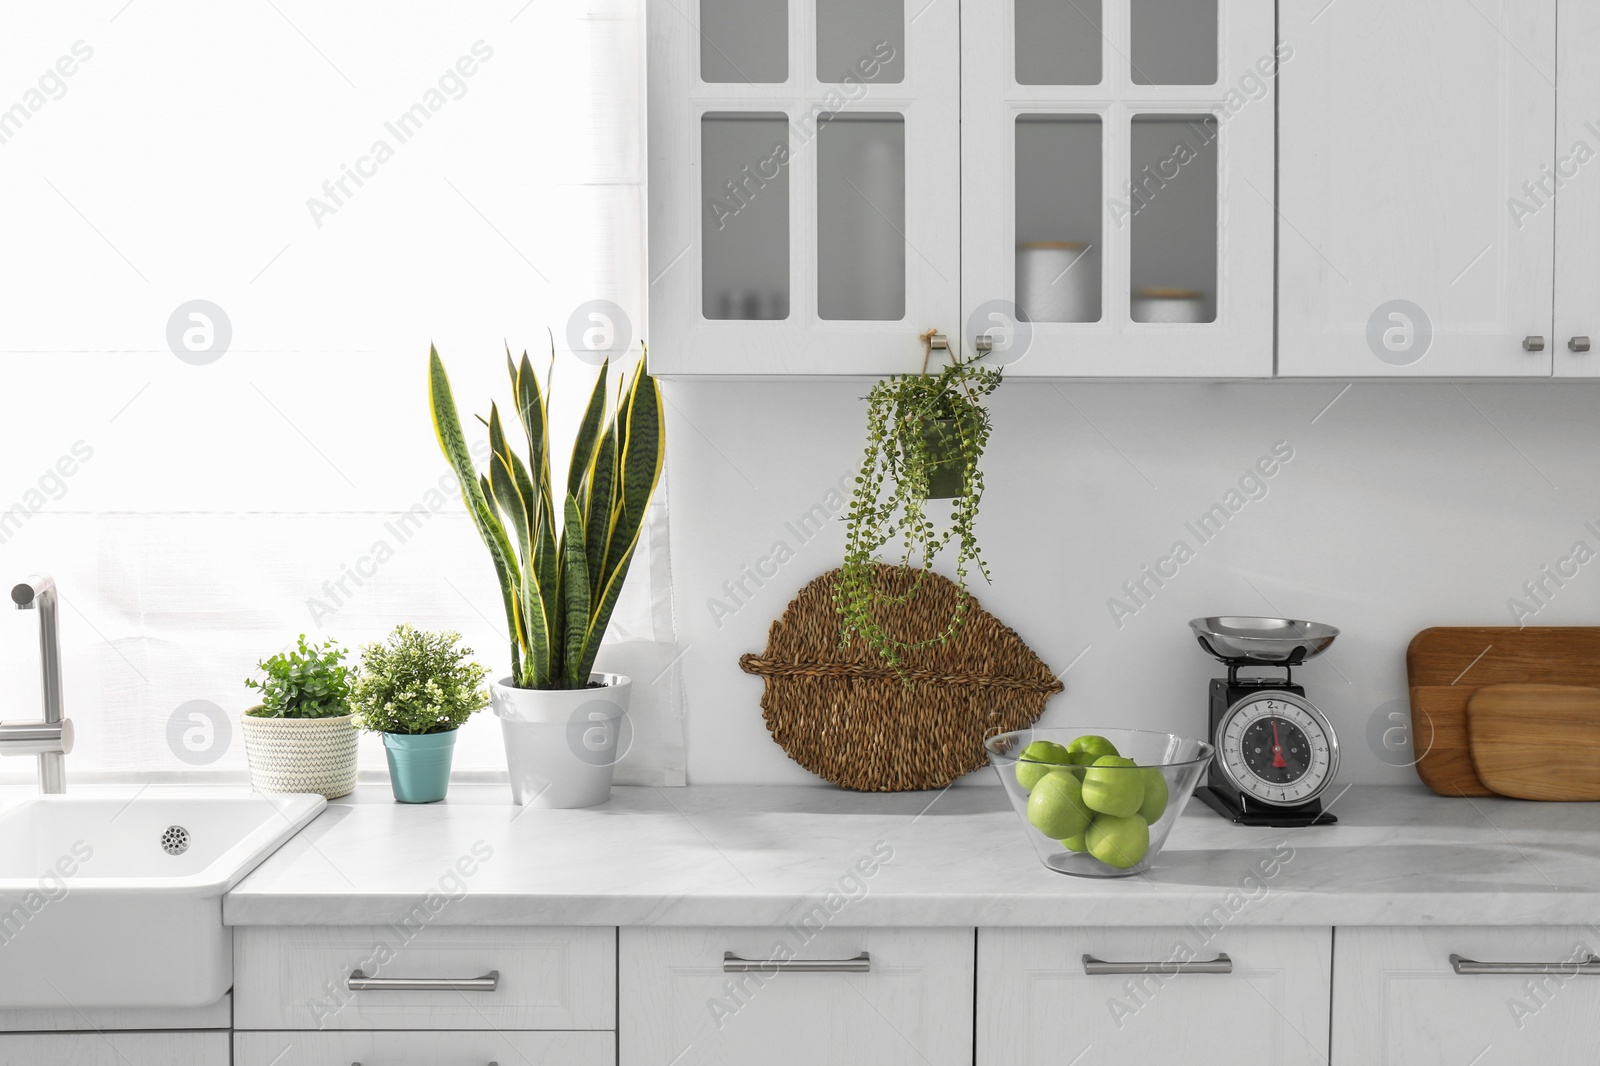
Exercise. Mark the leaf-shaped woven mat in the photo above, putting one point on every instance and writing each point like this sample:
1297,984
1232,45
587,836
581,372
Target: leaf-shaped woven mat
843,714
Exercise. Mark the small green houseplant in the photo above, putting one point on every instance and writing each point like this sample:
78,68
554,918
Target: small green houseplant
925,436
301,737
561,554
417,689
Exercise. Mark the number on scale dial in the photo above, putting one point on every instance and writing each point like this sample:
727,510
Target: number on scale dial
1278,749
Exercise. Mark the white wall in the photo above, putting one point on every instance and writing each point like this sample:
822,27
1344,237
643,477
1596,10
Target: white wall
1404,506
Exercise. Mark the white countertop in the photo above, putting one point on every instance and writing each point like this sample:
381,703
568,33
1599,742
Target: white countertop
765,856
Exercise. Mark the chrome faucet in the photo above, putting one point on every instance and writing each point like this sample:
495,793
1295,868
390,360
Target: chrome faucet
50,739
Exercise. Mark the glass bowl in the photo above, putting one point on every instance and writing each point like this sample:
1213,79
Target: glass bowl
1123,815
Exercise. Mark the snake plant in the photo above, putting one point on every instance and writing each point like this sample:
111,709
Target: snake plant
560,570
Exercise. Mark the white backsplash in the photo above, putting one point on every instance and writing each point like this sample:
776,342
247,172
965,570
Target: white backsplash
1401,506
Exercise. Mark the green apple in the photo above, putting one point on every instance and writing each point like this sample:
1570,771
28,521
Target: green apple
1039,752
1076,843
1119,842
1055,806
1155,794
1110,787
1094,745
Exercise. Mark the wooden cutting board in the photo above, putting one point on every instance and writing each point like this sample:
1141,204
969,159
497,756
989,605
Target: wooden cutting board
1536,742
1465,659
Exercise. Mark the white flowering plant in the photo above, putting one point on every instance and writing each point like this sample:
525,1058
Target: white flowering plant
417,682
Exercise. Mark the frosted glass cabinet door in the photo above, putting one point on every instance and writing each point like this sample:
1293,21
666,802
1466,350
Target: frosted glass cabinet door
1576,344
1410,244
804,185
1117,185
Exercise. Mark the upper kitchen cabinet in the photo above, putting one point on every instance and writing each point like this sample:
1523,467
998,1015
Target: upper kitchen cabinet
804,184
1117,185
1417,142
1577,302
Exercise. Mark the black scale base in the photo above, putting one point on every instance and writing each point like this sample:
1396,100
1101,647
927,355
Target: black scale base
1228,801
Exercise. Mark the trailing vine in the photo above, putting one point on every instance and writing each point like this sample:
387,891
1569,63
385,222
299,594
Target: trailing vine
918,428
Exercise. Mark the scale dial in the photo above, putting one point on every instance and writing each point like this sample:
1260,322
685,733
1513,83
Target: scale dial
1277,748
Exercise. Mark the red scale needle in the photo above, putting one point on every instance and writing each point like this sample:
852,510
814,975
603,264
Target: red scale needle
1277,749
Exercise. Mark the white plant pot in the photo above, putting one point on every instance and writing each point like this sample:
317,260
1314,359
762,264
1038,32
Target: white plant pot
562,744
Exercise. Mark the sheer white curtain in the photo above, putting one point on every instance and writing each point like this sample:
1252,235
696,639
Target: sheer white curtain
330,189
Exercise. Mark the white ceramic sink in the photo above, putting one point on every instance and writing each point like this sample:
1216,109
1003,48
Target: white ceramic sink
113,898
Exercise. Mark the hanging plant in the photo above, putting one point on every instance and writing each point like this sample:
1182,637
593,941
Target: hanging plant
925,435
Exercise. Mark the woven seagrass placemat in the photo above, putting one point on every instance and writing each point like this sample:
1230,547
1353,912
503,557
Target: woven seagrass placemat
845,715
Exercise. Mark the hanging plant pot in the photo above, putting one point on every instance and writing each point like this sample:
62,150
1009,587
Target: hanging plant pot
947,464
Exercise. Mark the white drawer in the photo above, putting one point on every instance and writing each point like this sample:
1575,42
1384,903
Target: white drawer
115,1049
1397,997
425,1049
1039,1005
913,1008
548,978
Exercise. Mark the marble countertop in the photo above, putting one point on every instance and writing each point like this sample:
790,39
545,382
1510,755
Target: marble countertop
765,856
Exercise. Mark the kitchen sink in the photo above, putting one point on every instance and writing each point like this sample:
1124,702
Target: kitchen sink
113,897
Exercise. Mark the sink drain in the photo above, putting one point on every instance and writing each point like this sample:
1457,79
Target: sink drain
175,841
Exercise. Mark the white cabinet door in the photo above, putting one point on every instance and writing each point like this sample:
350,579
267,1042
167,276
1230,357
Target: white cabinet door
804,184
1117,186
681,1006
1037,1005
1576,170
114,1049
456,1048
1413,239
1397,998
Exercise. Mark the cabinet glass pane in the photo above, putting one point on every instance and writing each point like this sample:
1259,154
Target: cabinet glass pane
861,216
1172,208
744,219
1058,42
861,40
1058,217
744,40
1174,42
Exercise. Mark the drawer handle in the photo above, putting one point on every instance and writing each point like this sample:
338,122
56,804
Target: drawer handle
732,963
360,982
1098,967
1472,968
1533,343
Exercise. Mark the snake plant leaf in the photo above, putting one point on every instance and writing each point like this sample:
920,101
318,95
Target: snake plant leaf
504,490
534,416
447,428
599,505
588,437
639,467
639,470
575,589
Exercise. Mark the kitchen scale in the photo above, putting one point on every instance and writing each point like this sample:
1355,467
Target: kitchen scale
1276,752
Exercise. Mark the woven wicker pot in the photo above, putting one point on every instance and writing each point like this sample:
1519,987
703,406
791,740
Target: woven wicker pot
301,754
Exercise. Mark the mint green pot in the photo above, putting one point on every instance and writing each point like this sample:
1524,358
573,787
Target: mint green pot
419,766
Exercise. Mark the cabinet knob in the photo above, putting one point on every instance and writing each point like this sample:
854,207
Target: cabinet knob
1531,343
1578,344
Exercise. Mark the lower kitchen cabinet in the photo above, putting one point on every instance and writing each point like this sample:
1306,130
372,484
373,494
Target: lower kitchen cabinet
1058,996
433,1048
114,1049
815,999
1398,996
